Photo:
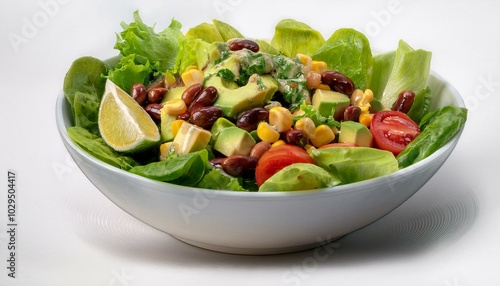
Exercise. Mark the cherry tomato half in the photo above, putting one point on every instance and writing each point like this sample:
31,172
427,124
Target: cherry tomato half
278,158
393,130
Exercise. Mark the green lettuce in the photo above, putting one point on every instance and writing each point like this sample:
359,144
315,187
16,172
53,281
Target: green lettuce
160,49
348,52
216,180
421,105
410,70
206,32
226,31
127,72
86,107
292,37
299,176
382,67
438,127
355,164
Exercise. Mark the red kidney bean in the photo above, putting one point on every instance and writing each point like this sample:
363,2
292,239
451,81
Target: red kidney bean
139,93
338,82
216,162
351,113
296,137
205,116
206,97
239,165
404,102
191,92
155,95
184,116
241,44
249,119
259,149
153,109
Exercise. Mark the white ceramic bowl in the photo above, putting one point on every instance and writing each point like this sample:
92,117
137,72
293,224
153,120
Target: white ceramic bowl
259,223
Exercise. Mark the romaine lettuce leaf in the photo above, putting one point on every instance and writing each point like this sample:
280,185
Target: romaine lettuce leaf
348,52
226,31
438,127
292,37
298,177
421,105
127,72
206,32
382,67
160,49
354,164
410,71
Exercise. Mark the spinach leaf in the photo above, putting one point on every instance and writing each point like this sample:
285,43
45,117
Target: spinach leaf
94,145
86,107
348,52
85,75
176,169
216,180
292,37
438,127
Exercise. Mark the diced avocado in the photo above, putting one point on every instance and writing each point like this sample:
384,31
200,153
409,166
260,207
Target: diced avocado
356,133
328,102
232,64
220,124
174,93
234,141
166,126
190,138
233,100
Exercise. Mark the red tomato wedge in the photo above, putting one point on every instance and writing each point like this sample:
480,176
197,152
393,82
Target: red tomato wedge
393,130
277,158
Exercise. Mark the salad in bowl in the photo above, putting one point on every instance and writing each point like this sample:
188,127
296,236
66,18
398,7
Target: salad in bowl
214,109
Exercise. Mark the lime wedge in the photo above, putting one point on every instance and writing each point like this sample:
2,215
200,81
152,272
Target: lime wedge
124,125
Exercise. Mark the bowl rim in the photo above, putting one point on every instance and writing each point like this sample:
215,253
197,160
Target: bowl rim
228,194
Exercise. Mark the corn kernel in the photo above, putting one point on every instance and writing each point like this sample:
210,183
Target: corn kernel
367,97
267,133
170,80
365,119
192,76
165,149
280,118
175,106
323,135
356,96
319,66
304,59
323,86
277,143
176,125
308,148
307,125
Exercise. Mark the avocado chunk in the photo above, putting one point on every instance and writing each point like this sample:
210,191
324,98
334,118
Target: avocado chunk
233,100
174,93
328,102
190,138
356,133
166,126
219,124
234,141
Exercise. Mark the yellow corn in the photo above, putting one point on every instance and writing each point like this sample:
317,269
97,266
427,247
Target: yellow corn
365,119
267,133
192,76
307,125
176,125
323,87
308,148
165,149
356,96
277,143
175,106
362,99
304,59
280,118
323,135
170,80
319,66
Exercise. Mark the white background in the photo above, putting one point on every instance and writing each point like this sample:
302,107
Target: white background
68,233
